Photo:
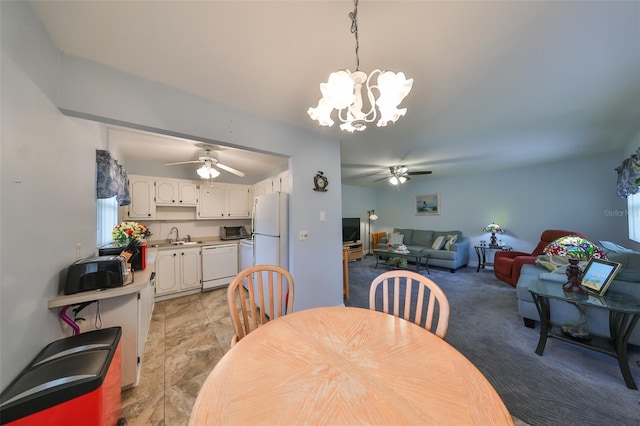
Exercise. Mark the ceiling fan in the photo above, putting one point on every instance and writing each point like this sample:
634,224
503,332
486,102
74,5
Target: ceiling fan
209,166
400,174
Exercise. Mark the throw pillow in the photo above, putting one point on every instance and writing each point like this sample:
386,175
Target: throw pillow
438,243
396,238
450,240
608,245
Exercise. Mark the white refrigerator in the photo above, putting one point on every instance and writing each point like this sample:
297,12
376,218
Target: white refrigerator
271,230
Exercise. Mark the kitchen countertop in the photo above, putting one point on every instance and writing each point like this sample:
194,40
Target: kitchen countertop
141,280
197,242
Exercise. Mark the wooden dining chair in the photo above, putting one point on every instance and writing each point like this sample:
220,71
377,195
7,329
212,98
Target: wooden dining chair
257,295
406,291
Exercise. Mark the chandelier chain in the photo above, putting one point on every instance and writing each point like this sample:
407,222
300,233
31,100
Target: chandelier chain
354,30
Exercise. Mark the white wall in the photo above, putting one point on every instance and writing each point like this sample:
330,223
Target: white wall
577,195
48,177
48,208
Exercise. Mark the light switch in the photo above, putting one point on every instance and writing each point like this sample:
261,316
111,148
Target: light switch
323,216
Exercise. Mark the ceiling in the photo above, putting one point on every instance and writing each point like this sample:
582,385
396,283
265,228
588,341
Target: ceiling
496,84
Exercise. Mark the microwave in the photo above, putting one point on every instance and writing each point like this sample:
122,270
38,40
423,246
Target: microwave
233,232
95,273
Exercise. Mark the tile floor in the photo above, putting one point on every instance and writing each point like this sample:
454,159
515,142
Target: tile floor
187,337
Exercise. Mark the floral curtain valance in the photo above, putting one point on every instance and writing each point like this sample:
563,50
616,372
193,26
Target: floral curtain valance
629,175
111,178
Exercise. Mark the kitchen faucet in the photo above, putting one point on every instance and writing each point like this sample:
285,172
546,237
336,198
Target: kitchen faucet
177,234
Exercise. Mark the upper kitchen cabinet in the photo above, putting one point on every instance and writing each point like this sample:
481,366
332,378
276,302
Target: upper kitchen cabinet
224,201
142,191
282,182
277,183
176,192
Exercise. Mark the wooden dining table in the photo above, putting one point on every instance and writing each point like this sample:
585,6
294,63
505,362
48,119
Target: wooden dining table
345,366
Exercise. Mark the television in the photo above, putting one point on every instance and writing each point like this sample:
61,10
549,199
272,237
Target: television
350,229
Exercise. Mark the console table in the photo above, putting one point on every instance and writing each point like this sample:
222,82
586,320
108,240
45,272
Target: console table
624,313
481,252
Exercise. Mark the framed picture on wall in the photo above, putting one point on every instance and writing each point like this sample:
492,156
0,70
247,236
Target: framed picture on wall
427,205
598,275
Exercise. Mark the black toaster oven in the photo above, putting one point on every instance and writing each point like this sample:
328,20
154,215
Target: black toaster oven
95,273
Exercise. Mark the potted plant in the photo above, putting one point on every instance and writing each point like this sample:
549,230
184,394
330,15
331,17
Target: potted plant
397,262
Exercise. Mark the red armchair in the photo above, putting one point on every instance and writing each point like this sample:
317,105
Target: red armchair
507,264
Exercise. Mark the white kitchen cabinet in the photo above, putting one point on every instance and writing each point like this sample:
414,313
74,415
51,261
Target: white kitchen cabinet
281,183
224,201
238,201
211,202
142,191
175,192
178,270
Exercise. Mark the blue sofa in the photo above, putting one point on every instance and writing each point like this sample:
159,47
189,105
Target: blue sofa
453,258
627,281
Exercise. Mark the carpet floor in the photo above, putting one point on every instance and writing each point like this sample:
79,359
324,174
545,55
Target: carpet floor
568,385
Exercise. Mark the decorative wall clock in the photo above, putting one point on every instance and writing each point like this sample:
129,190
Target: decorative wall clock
320,182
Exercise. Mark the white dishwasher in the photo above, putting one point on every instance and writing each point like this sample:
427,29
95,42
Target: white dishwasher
219,265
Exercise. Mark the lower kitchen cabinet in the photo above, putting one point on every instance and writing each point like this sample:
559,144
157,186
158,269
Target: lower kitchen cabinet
178,270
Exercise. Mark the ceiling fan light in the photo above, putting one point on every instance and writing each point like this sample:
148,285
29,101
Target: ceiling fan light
402,179
403,170
393,180
208,172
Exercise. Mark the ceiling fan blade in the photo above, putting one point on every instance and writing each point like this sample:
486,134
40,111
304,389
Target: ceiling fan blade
426,172
183,162
378,180
229,169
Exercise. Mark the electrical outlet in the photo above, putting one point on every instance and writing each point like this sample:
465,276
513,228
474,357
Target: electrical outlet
78,248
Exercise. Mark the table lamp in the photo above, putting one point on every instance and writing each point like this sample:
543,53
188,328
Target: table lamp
577,249
493,228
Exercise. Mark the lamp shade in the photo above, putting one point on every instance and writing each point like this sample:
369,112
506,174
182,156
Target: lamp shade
494,228
207,172
574,246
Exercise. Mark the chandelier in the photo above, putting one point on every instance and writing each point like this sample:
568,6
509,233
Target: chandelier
343,92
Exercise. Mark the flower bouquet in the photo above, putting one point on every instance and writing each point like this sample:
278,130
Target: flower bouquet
126,232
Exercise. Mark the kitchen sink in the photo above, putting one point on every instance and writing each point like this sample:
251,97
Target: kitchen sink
178,243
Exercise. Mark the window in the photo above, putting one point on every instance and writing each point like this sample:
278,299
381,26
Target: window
633,212
107,219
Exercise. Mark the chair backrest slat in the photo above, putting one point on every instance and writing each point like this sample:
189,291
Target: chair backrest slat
403,281
256,305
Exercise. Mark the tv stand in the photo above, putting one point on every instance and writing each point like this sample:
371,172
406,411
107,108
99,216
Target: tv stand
354,249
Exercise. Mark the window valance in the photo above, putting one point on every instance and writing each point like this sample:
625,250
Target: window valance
629,175
111,178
